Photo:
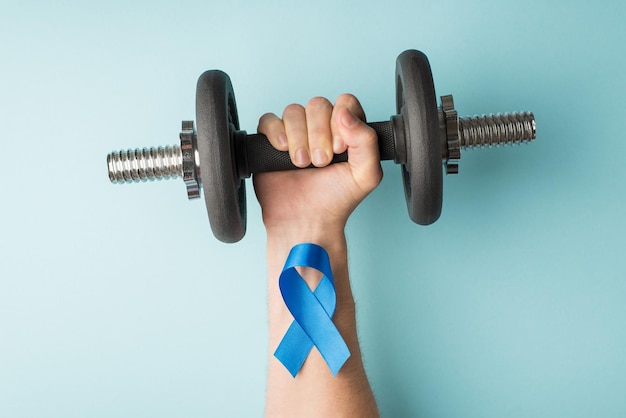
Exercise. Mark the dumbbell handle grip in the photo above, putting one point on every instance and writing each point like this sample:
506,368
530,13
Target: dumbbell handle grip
262,157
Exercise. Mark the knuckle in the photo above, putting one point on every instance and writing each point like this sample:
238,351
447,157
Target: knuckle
370,134
267,119
349,100
293,109
318,103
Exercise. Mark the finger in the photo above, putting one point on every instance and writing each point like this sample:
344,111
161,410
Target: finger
350,102
318,113
273,128
294,118
362,144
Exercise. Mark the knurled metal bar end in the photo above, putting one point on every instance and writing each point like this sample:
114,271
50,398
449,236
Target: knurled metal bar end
494,130
160,163
143,164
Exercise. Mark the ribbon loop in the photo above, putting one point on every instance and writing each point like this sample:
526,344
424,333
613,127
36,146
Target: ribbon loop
312,312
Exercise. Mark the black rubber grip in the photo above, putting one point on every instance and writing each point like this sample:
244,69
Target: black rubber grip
262,157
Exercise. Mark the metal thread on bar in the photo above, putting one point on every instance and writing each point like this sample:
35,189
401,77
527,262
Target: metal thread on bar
142,164
494,130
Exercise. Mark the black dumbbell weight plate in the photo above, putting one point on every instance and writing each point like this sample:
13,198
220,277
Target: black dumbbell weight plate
217,121
417,103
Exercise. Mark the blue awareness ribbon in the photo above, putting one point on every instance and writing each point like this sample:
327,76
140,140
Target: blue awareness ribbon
312,312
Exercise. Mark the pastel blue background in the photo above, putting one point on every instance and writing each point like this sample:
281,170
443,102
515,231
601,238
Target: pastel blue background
116,301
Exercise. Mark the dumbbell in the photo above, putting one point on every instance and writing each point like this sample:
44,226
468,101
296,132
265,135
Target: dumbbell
215,155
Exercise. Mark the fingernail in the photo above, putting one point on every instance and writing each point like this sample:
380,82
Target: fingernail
348,119
319,157
302,157
338,145
282,140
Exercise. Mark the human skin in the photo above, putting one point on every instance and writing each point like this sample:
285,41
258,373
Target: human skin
313,205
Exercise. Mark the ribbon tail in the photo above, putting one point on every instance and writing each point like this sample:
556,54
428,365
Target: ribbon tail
294,348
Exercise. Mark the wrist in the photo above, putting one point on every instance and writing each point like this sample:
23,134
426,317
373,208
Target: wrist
329,235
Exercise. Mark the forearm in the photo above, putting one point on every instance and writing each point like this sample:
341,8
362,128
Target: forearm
314,390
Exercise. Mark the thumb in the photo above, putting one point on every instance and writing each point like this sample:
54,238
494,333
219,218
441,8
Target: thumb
363,153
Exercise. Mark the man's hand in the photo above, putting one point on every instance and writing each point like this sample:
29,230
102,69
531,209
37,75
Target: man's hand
318,198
